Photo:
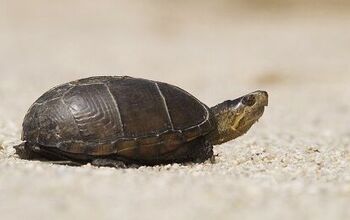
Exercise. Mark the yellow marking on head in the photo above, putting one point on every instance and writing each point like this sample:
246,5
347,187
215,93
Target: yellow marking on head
238,119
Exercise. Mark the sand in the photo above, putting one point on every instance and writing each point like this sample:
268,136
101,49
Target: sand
293,164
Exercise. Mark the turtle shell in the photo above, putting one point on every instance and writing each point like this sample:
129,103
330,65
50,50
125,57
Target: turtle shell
106,115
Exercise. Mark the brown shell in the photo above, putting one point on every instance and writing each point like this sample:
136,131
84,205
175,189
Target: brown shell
105,115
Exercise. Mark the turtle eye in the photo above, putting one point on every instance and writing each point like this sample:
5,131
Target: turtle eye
248,100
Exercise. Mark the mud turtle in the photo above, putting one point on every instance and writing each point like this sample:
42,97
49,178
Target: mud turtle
117,121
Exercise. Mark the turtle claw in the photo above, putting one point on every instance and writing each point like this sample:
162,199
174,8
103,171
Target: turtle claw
212,159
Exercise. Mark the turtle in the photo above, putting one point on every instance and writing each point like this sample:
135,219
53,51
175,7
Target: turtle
120,121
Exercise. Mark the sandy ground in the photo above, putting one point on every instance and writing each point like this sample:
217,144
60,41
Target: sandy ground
294,164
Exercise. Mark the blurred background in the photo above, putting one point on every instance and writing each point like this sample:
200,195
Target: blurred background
226,47
217,50
297,50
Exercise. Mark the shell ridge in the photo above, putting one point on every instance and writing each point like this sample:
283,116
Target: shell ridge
68,90
204,106
165,106
197,100
46,101
117,108
207,116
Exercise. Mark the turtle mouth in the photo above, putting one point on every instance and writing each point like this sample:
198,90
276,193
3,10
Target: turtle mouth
247,118
255,115
259,112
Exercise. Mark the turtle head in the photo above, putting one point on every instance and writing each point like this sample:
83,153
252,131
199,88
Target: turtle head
235,117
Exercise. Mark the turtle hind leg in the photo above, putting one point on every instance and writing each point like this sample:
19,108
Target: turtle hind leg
34,152
105,162
28,151
21,151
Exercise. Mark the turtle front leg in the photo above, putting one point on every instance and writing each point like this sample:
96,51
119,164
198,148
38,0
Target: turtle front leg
204,152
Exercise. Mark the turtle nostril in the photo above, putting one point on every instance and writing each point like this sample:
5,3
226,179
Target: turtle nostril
248,100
